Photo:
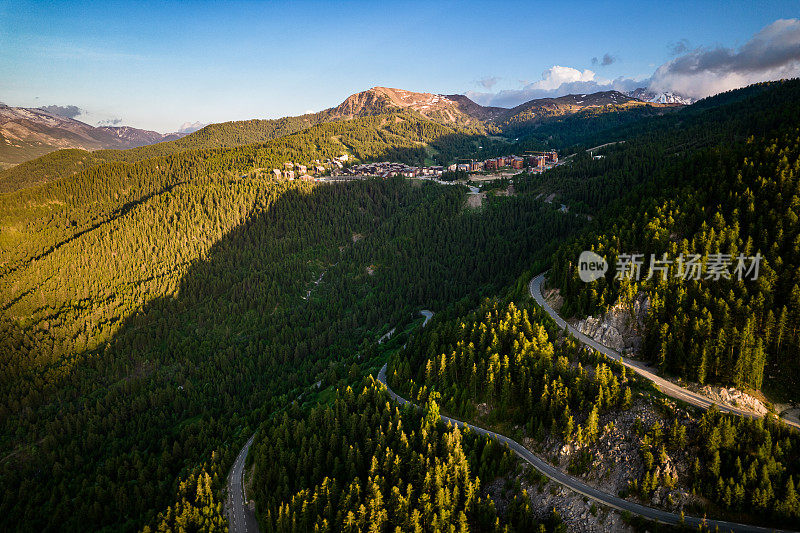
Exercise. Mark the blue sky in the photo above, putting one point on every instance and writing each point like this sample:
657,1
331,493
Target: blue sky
157,65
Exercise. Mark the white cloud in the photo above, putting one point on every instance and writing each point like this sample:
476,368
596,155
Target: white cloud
191,127
555,81
557,75
773,53
488,82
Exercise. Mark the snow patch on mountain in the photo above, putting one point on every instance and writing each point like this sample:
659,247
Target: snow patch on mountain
191,127
646,95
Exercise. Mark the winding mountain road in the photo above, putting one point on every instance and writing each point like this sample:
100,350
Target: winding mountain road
241,519
665,386
582,488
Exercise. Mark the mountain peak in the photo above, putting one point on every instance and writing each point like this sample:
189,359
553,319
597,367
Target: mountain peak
439,107
398,98
459,109
191,127
647,95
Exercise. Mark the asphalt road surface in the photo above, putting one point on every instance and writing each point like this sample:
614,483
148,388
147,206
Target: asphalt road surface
582,488
667,387
241,519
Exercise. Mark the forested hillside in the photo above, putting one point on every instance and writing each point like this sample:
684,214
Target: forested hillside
500,363
120,376
244,146
504,356
157,306
724,180
363,464
535,125
37,219
63,163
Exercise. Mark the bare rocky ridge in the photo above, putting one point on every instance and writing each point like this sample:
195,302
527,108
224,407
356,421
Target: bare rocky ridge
441,108
364,103
457,108
476,110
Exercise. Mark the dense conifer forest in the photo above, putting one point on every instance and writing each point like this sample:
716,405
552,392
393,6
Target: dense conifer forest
159,305
514,362
364,464
111,398
725,183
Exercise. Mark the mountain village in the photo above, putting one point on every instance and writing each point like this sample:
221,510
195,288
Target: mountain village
337,168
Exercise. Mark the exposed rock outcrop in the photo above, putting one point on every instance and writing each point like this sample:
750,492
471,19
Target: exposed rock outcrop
735,398
621,327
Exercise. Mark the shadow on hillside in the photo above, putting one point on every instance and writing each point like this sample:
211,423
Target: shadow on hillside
183,375
189,373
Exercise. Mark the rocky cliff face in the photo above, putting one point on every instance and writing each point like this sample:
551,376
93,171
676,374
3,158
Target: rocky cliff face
364,103
621,327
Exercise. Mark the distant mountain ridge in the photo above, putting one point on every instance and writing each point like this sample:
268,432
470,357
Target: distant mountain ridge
459,109
570,104
136,137
26,134
29,133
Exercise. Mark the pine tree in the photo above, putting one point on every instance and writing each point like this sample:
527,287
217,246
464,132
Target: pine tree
592,425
